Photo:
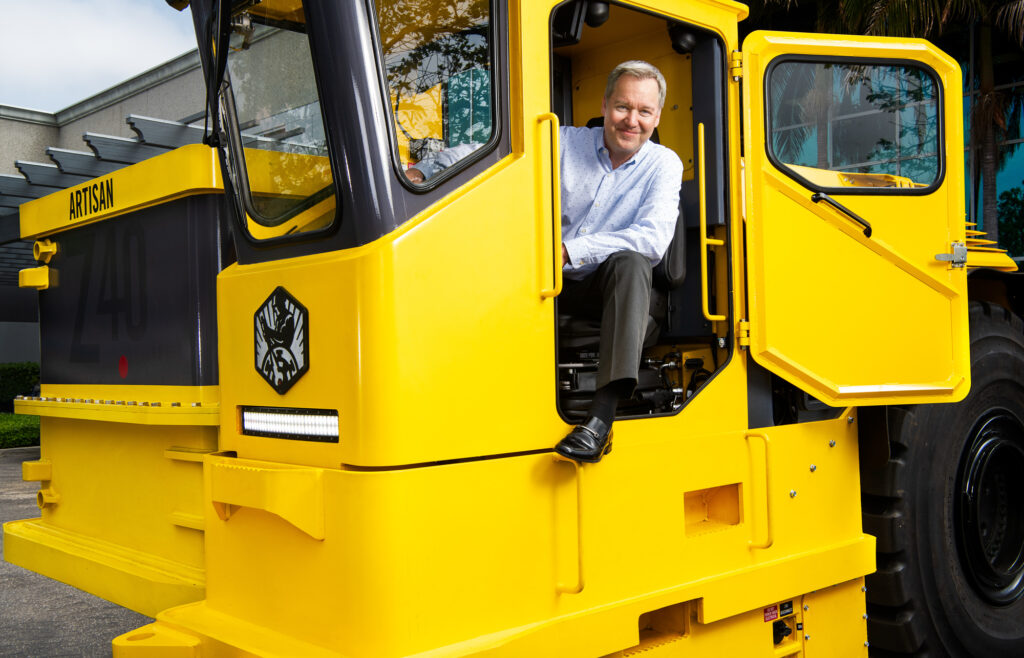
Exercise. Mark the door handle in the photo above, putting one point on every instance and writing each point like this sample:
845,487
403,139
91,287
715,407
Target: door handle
818,197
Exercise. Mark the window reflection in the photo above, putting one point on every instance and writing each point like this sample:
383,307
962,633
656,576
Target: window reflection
855,119
437,59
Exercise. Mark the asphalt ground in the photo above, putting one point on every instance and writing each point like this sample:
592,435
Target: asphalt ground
42,617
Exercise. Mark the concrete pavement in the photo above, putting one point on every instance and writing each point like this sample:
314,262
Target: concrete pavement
42,617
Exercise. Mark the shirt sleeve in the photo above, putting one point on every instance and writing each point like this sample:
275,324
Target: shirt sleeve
434,164
650,233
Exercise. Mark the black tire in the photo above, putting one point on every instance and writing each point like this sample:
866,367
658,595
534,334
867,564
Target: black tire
948,512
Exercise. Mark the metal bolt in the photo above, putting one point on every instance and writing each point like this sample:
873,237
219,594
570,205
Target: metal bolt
806,608
813,468
721,342
807,637
849,420
863,589
832,443
792,493
865,615
867,644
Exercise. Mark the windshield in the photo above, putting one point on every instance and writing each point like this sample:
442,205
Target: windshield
279,159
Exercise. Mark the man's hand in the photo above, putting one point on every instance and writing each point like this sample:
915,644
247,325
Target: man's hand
565,255
414,175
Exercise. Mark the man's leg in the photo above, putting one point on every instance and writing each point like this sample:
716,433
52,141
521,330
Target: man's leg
623,285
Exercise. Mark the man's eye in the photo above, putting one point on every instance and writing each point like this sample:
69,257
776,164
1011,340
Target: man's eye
645,113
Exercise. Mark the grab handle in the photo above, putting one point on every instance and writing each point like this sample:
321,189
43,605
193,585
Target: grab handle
765,468
705,241
577,587
556,212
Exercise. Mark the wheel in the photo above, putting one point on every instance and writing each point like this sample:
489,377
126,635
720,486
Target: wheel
948,512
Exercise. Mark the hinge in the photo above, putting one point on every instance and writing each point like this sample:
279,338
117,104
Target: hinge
957,256
743,333
736,65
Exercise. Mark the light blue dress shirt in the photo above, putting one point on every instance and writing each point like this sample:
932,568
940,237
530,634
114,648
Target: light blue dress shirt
605,210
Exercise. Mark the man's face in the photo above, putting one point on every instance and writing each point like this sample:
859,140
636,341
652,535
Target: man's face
631,114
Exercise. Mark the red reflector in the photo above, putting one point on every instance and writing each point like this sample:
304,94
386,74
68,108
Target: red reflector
122,367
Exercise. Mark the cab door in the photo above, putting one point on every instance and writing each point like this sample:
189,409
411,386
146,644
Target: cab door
854,200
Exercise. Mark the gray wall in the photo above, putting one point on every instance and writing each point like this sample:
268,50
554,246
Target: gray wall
25,135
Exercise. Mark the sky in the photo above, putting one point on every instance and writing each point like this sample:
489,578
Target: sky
54,53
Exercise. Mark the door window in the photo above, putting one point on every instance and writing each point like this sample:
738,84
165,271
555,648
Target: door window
855,125
439,76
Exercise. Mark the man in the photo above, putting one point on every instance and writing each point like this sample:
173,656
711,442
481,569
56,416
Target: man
620,201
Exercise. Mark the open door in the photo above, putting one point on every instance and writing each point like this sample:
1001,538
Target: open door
854,202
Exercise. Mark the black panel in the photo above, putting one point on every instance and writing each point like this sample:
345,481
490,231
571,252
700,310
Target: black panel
760,404
685,318
10,226
709,109
136,298
561,89
18,304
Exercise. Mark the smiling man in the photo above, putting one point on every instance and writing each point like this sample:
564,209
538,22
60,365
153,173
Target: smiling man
620,201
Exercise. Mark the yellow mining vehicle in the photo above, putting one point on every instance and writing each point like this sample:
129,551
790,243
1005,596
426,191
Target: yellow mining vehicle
295,404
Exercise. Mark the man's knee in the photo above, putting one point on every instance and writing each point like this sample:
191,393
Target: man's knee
630,265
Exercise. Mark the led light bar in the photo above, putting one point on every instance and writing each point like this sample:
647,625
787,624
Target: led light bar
290,423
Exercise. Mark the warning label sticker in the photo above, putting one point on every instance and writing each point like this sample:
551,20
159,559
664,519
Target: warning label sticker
771,613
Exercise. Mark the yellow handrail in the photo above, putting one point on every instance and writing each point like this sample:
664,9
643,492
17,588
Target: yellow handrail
705,241
556,211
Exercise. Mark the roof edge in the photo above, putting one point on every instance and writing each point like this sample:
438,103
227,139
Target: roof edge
155,76
25,115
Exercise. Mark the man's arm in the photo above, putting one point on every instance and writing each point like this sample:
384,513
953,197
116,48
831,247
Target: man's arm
432,165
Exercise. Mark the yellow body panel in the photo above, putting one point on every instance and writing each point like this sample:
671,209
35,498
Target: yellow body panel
820,289
182,172
136,540
393,592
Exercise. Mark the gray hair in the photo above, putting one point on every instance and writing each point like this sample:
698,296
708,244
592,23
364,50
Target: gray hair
640,70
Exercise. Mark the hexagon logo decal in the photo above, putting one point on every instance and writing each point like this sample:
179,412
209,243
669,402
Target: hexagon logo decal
281,340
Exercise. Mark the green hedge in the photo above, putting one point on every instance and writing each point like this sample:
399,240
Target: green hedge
17,431
16,379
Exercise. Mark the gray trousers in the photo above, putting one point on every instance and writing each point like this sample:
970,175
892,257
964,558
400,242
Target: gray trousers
618,293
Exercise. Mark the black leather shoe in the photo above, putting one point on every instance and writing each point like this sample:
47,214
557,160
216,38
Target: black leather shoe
587,442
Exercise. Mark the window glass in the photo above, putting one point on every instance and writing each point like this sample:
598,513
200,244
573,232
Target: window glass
279,144
855,125
437,59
